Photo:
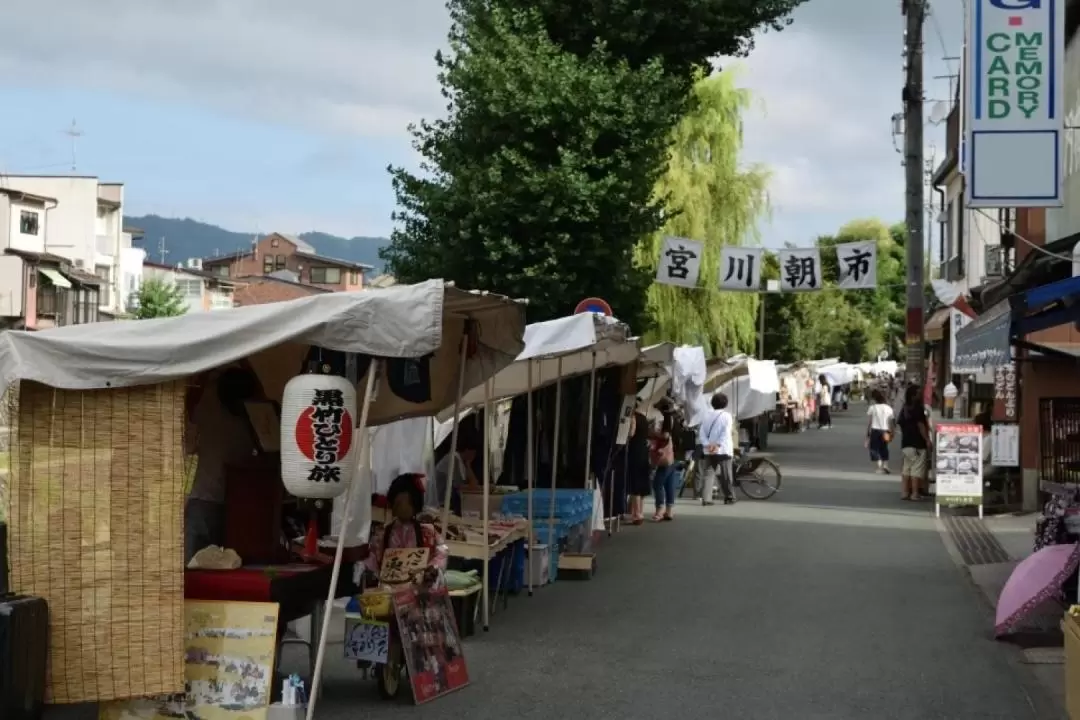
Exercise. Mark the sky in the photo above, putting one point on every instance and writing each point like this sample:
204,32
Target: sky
263,115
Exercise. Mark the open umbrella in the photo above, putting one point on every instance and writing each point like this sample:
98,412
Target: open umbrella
1035,580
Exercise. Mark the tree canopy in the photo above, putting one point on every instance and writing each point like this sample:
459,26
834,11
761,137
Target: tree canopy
544,176
714,199
156,298
854,325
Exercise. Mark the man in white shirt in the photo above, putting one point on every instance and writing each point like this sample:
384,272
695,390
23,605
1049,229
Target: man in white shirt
715,438
824,393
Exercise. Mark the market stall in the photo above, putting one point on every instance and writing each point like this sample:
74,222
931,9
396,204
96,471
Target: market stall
751,387
554,350
98,475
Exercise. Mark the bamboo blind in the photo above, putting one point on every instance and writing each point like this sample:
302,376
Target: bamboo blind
96,522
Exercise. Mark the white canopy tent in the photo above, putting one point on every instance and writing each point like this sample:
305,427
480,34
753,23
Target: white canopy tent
751,387
554,350
468,334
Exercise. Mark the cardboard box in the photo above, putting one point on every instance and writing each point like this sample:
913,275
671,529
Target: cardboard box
1071,627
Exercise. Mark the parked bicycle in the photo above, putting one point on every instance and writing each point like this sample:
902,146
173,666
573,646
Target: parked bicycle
756,476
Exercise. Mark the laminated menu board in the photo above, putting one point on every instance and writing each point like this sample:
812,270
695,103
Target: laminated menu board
958,464
228,668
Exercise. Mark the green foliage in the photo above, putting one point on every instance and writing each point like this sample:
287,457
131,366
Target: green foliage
851,324
541,180
683,34
157,298
715,200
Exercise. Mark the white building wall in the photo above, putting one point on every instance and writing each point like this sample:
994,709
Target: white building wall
131,274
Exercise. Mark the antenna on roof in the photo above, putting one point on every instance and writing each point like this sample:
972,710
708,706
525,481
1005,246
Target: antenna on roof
74,133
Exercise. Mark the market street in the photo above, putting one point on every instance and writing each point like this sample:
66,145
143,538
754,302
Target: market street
832,600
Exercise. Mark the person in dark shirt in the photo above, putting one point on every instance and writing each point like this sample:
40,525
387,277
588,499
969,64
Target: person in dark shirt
915,445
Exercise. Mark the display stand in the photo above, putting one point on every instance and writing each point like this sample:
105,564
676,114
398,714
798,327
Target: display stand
958,466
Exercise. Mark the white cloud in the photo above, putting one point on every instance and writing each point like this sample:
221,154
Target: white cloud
363,67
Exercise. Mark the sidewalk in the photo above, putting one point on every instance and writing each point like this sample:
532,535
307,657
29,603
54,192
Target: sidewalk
1040,639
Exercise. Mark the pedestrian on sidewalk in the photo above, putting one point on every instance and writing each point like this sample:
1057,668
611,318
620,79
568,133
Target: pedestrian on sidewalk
914,444
879,430
718,448
662,456
824,396
637,451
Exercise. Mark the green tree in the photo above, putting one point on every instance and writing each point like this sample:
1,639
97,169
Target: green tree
714,199
541,180
157,298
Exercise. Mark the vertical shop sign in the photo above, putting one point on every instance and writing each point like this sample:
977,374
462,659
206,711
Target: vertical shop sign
1015,107
1005,396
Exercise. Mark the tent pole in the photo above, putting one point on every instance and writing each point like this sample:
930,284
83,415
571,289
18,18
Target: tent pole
530,465
362,430
486,518
589,425
454,432
555,452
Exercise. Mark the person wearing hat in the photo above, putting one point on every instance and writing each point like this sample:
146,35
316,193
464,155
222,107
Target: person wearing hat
405,499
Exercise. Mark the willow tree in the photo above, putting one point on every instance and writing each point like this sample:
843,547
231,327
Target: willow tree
714,198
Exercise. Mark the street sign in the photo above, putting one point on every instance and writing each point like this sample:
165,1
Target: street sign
1014,94
593,305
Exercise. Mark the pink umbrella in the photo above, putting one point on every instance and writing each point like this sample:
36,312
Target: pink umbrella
1034,581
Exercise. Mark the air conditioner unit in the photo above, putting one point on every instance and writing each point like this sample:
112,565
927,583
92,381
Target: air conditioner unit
79,264
995,262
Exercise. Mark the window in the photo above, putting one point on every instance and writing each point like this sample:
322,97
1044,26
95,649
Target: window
85,306
354,277
273,242
105,273
325,275
29,222
220,301
279,262
190,288
268,264
50,300
221,271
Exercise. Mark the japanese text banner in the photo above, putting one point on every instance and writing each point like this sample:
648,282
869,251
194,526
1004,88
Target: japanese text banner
800,269
740,268
857,265
680,262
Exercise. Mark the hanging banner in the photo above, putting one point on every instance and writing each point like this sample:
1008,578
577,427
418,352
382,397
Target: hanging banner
800,270
740,268
857,265
680,262
1005,392
1015,109
958,320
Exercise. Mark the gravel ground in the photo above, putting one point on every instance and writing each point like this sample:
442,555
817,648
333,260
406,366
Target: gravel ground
833,600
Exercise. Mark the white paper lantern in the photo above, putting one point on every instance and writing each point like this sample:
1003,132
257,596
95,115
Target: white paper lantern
318,435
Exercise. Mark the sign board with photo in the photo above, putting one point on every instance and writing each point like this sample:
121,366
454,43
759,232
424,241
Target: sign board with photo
626,413
228,670
429,637
958,465
366,640
403,564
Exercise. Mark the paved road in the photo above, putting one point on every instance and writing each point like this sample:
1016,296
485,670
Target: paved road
833,600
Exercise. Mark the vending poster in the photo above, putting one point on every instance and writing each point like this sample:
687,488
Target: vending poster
429,637
958,464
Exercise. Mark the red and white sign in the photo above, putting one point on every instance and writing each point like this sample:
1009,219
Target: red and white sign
317,430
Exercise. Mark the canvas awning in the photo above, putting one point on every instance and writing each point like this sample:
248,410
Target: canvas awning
555,350
935,324
405,321
54,277
985,341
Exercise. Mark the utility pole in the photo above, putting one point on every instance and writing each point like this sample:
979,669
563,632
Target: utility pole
162,251
74,133
915,14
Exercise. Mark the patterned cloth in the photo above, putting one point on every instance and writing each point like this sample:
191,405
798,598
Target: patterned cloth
403,535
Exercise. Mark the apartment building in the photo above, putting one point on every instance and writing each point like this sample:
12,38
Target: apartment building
202,291
278,252
38,288
83,223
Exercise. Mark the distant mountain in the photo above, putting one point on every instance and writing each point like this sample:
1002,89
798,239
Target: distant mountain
189,238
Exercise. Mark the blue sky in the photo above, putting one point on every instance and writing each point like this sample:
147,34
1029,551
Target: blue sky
259,115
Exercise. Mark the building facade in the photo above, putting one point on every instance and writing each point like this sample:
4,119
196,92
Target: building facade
82,222
201,291
278,252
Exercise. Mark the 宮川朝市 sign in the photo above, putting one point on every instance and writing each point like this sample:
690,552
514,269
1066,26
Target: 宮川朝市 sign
1015,108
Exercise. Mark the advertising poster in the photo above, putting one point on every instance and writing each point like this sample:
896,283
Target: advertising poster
958,464
228,668
429,637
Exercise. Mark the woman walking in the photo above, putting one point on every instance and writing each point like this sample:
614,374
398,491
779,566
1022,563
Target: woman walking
915,444
879,429
824,398
662,456
637,456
